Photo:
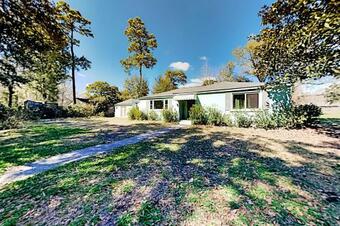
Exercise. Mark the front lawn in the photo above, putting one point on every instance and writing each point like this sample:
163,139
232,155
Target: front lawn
43,139
194,176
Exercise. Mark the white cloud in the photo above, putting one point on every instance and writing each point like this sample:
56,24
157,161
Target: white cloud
203,58
183,66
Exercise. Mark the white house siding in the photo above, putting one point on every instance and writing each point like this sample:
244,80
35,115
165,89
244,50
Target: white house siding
220,101
215,100
143,105
122,111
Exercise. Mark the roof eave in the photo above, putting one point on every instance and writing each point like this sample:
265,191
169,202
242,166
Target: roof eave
203,92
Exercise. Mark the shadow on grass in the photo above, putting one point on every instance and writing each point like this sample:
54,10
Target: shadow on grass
190,177
42,140
329,126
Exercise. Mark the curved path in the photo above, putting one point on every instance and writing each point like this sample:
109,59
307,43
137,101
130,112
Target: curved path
28,170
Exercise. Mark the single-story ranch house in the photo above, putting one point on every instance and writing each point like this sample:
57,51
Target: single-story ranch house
224,96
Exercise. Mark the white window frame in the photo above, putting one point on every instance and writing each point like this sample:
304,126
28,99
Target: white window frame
152,103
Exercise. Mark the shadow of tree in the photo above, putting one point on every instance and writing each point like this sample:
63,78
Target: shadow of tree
191,177
51,138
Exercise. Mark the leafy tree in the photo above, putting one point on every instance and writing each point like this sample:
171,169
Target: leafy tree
74,23
209,81
171,80
49,72
163,84
28,28
141,45
177,77
247,59
124,95
240,78
135,88
10,78
300,39
227,72
102,95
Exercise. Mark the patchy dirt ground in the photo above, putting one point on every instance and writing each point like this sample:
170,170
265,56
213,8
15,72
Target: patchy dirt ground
194,176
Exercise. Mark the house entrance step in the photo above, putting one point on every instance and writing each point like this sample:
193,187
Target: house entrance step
185,122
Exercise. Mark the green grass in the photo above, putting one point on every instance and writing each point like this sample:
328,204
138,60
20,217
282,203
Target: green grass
232,186
37,141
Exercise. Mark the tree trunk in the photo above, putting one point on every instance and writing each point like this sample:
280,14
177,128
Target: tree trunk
140,73
73,70
139,90
10,95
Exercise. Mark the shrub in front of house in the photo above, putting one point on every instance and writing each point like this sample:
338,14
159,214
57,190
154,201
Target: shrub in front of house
214,117
169,115
265,120
227,120
81,110
198,115
242,119
136,114
152,115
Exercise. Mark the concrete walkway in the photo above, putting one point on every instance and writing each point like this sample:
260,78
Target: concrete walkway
17,173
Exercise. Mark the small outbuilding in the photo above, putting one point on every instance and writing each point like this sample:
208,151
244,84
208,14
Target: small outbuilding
122,108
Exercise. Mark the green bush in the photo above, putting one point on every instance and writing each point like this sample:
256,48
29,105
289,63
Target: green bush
153,116
169,115
197,115
136,114
81,110
264,119
227,120
242,119
10,118
308,113
296,116
214,117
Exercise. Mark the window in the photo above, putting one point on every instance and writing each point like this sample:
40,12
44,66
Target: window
166,104
246,101
151,104
158,104
238,101
252,100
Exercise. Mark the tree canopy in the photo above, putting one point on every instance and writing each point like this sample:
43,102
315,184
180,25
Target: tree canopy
102,95
247,59
28,29
169,81
300,39
141,44
134,88
227,73
49,72
163,84
209,81
74,23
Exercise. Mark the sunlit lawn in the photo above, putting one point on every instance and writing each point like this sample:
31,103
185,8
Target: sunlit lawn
194,176
37,140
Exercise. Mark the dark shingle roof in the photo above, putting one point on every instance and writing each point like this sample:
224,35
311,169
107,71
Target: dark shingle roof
217,87
128,102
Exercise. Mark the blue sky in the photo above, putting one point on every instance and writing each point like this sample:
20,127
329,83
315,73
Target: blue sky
186,30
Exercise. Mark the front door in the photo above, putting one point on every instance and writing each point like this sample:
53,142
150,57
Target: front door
184,108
